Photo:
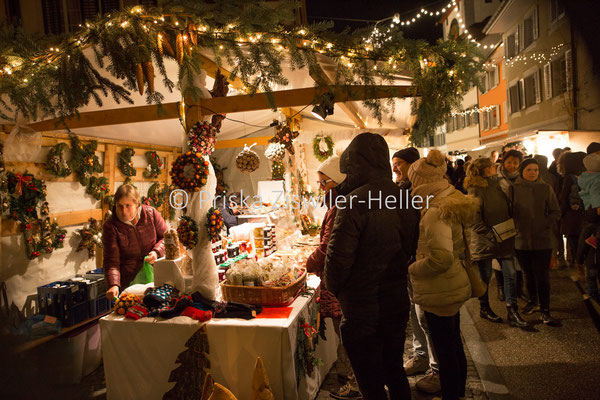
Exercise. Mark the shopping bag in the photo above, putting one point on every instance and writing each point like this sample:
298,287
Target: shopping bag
504,230
145,275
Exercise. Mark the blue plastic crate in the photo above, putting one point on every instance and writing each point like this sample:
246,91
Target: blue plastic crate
98,306
58,299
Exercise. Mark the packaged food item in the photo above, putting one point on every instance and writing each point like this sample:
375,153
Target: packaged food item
171,244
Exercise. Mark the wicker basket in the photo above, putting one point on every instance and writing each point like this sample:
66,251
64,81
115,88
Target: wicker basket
265,296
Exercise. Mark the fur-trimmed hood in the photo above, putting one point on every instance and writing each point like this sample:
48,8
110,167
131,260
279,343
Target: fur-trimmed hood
455,206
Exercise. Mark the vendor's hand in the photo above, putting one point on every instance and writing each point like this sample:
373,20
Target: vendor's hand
112,292
151,257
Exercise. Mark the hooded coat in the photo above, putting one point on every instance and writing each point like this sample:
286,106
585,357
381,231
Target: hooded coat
439,280
125,246
494,209
535,210
371,243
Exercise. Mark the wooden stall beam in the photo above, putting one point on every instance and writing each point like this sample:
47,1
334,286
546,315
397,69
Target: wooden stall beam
11,227
211,70
228,144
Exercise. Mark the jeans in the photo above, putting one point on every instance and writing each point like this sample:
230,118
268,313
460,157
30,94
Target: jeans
536,266
422,345
445,334
509,273
376,353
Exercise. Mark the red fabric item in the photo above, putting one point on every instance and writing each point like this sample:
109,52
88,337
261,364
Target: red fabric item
197,314
136,312
275,312
330,306
125,246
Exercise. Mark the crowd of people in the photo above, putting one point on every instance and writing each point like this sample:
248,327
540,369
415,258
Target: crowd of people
383,265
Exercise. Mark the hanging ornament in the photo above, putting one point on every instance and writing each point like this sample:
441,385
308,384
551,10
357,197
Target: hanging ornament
190,171
91,237
247,160
322,147
148,70
202,138
154,165
56,163
139,75
125,163
275,152
214,223
277,170
285,136
187,231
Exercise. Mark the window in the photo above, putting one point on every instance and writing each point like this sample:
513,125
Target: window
494,114
557,10
514,99
530,29
492,78
559,72
532,89
512,44
475,118
109,5
485,117
13,10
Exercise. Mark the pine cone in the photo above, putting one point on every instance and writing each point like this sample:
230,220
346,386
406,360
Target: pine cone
139,74
167,46
193,34
247,161
159,43
149,75
179,47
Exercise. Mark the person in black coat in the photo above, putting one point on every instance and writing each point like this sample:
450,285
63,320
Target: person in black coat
229,207
367,264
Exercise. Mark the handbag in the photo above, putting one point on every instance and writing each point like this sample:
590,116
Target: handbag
478,288
504,230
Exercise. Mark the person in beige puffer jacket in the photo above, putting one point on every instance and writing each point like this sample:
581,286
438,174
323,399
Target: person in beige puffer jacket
440,282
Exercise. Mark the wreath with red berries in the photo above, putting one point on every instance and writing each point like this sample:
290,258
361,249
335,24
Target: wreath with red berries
214,223
187,231
202,138
190,171
154,165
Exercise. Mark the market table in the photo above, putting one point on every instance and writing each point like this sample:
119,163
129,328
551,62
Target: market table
140,355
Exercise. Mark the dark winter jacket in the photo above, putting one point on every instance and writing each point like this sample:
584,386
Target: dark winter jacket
535,210
125,246
545,174
571,207
458,178
371,243
330,306
494,209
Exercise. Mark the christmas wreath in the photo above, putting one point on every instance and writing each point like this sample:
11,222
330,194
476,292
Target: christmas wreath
154,165
190,171
91,237
56,163
214,223
24,194
202,138
187,231
156,196
323,147
125,163
84,161
42,237
97,187
277,170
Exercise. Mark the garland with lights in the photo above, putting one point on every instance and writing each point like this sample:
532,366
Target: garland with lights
321,153
214,223
154,165
190,172
125,163
56,163
130,44
187,231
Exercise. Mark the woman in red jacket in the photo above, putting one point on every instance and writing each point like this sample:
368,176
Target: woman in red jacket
329,177
132,234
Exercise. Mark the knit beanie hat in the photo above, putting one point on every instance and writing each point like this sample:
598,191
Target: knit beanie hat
427,170
592,162
525,163
409,154
331,168
593,147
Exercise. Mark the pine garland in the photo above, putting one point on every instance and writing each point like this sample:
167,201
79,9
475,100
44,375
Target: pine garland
84,161
56,163
125,163
130,44
42,237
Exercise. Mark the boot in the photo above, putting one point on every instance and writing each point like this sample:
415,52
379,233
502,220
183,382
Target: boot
529,308
485,312
514,319
548,320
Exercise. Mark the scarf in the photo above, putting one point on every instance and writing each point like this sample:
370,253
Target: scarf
429,189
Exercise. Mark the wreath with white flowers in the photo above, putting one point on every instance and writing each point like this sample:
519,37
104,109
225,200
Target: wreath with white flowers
323,147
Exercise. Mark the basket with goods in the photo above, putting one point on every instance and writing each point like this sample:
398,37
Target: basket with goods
247,160
270,282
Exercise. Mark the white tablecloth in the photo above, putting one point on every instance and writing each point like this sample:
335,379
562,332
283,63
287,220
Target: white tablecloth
140,355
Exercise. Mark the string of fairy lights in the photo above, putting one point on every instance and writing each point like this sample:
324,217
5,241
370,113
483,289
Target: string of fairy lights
474,110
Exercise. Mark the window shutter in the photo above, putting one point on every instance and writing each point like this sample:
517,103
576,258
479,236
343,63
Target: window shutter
547,81
53,17
538,92
521,88
496,76
569,70
505,112
89,9
509,108
519,39
536,26
496,116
